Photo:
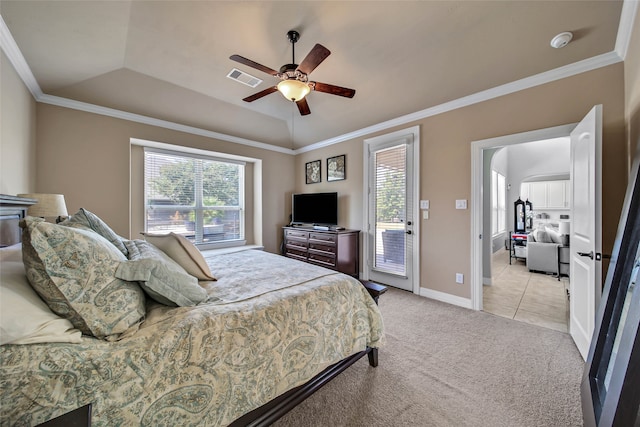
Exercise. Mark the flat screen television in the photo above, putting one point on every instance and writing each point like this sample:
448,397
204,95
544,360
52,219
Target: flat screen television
314,208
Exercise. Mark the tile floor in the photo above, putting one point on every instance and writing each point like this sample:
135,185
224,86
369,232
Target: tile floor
535,298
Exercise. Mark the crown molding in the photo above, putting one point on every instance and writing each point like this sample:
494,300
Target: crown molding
11,49
138,118
625,28
579,67
628,14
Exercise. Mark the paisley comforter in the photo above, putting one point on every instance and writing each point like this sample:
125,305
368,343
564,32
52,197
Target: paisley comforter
271,324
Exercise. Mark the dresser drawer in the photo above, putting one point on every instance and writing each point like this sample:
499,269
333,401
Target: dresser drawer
326,247
301,234
296,244
322,259
297,254
323,237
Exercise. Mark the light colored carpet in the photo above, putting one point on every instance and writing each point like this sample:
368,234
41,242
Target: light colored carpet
443,365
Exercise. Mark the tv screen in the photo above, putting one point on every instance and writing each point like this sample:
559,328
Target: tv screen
315,208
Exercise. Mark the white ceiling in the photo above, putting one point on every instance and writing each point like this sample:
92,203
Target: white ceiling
169,59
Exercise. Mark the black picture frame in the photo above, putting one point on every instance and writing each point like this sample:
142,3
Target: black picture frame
609,387
337,168
313,172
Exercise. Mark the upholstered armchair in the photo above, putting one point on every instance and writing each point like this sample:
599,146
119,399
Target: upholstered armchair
542,250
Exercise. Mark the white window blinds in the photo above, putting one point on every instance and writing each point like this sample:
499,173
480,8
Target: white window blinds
201,198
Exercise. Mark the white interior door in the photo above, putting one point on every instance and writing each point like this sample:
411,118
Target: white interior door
585,237
391,223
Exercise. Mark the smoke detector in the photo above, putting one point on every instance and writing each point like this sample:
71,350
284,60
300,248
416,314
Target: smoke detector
561,40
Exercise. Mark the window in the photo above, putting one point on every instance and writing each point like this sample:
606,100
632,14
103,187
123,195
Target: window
498,203
201,198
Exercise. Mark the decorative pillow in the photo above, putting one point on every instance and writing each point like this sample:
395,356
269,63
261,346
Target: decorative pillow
541,235
73,270
162,278
554,236
182,251
86,220
24,317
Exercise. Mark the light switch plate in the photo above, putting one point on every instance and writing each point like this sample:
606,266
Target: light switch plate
461,204
425,214
424,204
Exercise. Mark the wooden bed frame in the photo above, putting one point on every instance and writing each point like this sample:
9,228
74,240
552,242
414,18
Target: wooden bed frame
12,209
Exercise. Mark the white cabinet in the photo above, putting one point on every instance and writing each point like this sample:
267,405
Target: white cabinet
555,195
547,194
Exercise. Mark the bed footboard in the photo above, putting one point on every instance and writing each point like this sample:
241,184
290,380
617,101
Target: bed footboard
278,407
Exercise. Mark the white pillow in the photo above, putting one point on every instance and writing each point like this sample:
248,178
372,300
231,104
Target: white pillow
11,253
554,235
541,235
24,317
182,251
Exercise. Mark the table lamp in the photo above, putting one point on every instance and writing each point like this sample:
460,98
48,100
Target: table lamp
48,206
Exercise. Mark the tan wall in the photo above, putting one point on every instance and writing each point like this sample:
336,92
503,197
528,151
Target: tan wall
445,164
17,133
87,158
632,89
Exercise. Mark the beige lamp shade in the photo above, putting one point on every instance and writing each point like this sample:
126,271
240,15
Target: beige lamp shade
49,205
565,227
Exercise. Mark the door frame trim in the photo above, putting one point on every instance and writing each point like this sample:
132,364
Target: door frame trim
477,206
414,133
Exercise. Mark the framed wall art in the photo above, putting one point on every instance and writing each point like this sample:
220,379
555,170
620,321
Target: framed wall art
312,172
336,168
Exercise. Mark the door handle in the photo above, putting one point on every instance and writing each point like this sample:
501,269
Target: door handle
408,231
590,254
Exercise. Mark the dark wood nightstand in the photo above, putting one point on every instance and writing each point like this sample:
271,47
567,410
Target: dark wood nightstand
375,289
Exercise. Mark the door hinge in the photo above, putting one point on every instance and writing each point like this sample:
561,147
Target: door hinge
480,236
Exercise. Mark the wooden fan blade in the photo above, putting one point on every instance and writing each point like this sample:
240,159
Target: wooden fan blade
252,64
260,94
334,90
318,54
303,107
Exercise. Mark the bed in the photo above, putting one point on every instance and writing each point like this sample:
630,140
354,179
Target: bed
267,333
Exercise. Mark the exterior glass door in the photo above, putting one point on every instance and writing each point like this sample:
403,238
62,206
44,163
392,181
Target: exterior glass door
390,210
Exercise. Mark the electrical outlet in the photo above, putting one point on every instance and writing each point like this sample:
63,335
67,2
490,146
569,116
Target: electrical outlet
459,278
425,214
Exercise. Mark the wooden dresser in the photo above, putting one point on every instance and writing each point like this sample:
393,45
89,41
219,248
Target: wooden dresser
337,250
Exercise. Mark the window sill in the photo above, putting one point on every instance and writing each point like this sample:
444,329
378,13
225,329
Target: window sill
228,250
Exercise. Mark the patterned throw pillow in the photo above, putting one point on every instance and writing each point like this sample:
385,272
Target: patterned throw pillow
163,279
86,220
73,271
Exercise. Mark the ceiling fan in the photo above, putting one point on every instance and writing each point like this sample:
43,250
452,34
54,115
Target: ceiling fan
295,84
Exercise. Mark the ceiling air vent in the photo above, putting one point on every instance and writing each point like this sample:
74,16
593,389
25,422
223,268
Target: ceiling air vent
244,78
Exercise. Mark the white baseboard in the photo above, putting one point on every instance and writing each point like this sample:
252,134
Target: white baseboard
444,297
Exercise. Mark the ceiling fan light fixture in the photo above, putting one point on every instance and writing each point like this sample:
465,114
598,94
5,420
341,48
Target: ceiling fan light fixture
294,90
